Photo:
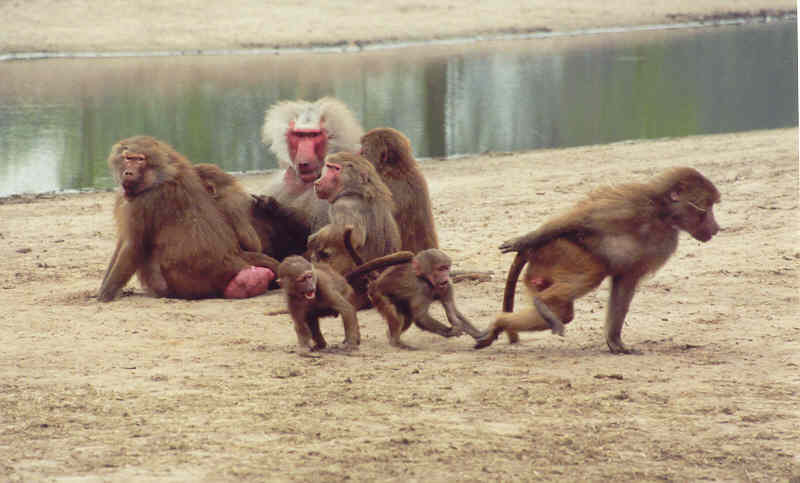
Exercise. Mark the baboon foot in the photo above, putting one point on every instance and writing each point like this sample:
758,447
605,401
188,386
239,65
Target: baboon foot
486,339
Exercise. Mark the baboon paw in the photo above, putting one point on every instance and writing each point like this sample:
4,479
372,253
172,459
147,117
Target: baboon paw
484,342
617,347
402,345
349,346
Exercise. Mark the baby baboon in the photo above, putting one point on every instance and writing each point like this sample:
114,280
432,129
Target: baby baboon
403,294
625,232
314,291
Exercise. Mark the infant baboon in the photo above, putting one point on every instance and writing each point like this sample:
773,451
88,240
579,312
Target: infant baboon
314,291
403,294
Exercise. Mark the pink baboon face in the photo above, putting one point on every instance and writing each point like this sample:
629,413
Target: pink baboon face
307,149
440,276
329,182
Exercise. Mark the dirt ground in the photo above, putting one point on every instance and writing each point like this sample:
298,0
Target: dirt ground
145,389
148,25
170,390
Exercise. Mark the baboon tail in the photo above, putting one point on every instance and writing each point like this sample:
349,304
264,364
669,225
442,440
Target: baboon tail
511,281
379,263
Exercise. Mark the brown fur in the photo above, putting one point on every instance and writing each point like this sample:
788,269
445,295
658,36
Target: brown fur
261,223
234,202
403,294
625,232
362,202
170,231
390,152
331,297
283,230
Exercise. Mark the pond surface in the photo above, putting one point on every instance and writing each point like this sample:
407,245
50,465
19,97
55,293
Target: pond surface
59,117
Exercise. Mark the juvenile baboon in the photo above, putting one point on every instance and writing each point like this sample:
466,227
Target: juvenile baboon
314,291
171,232
301,134
333,245
234,202
390,152
403,294
260,222
625,232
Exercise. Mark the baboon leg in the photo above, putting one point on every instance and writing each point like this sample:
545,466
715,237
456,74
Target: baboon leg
432,325
622,291
303,335
316,334
396,324
556,325
352,335
529,319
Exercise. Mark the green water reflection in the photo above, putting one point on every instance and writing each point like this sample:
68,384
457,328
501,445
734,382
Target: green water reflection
58,118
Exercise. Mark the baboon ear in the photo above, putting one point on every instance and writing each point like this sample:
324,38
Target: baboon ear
677,190
385,155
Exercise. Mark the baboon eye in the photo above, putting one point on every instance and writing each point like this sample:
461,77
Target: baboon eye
323,255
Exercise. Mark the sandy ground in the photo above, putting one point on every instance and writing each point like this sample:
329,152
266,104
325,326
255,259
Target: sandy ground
125,25
169,390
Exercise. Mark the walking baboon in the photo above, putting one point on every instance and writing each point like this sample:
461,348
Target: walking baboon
403,294
625,232
314,291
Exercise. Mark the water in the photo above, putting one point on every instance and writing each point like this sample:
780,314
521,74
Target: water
59,117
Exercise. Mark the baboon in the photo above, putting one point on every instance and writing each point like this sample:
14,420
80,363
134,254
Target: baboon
359,201
625,232
171,233
333,245
314,291
261,223
390,152
283,230
301,134
233,201
403,294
